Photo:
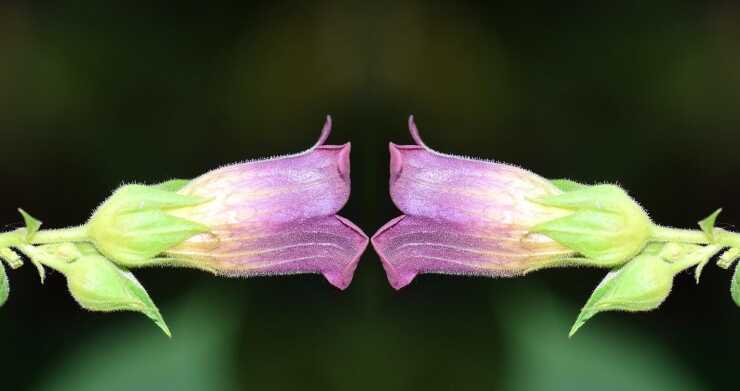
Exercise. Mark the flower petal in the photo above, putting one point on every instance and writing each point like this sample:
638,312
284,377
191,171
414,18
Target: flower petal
329,245
273,191
431,184
411,245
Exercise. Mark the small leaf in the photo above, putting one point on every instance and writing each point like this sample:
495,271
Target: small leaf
4,285
735,285
32,224
707,225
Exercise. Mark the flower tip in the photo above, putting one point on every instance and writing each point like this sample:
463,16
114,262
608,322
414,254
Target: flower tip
343,164
396,160
342,278
415,132
396,278
325,132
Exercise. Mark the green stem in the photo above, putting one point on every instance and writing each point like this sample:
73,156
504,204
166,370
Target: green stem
63,235
721,237
668,234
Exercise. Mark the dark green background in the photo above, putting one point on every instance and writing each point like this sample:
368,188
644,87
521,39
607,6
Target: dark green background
96,94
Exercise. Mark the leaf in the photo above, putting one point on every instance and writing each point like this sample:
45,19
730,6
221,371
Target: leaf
707,225
735,285
4,285
32,224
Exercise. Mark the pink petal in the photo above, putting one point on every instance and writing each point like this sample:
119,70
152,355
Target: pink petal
430,184
463,216
410,245
328,245
276,216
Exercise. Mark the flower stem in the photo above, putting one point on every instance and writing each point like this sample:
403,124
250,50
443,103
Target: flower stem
721,237
72,234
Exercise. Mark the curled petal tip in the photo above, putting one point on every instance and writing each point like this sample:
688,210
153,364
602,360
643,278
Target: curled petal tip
397,277
415,132
396,161
343,164
325,132
342,278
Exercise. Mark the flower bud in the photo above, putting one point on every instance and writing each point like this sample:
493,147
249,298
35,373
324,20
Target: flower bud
97,284
605,224
135,224
644,282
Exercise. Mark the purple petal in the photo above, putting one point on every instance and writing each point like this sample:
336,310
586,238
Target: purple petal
463,216
276,216
410,245
430,184
329,245
274,191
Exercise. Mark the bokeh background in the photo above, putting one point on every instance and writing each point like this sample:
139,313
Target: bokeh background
95,94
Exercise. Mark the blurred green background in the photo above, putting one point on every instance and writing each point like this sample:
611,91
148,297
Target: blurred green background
96,94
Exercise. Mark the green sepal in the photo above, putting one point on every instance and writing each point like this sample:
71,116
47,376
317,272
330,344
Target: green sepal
4,285
32,224
567,185
133,225
11,257
707,225
98,284
729,256
173,185
607,226
640,285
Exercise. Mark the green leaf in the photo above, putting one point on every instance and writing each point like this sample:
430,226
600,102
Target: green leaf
735,285
567,185
707,225
173,185
4,285
640,285
32,224
99,285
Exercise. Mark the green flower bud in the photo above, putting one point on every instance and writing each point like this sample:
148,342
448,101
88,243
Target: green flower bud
606,225
96,283
644,282
134,225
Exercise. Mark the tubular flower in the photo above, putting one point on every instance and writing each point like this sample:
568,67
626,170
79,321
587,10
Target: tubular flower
266,217
474,217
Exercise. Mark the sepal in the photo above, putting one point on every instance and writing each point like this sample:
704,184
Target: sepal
606,225
134,225
707,225
735,285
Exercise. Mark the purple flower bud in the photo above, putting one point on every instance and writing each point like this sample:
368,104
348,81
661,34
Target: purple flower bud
464,216
275,216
